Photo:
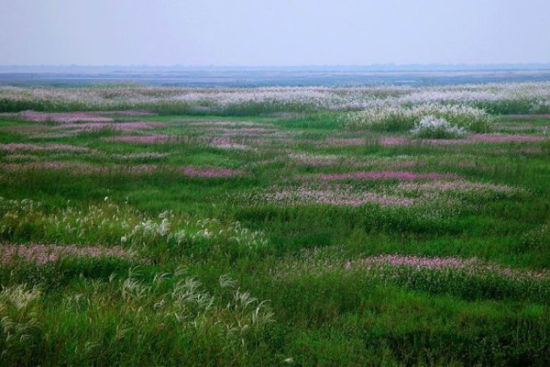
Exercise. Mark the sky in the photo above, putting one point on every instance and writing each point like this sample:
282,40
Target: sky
274,32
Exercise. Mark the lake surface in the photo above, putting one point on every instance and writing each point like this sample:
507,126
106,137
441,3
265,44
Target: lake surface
260,77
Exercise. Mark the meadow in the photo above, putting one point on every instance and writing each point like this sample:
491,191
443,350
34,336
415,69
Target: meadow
325,226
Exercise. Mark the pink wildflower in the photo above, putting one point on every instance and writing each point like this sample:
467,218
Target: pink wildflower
386,175
63,117
42,254
209,172
142,139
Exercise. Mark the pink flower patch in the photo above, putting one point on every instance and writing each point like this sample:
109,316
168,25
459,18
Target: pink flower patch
123,126
223,123
73,166
246,131
444,141
471,266
335,195
142,139
82,168
209,172
345,142
42,254
476,138
490,138
42,147
421,262
63,117
393,141
226,143
386,175
126,113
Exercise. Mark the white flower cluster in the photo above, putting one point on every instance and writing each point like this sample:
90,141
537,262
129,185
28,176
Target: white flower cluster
399,117
534,96
189,232
111,224
182,301
489,92
433,127
18,317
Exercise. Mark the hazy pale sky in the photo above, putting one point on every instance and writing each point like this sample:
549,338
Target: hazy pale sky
277,32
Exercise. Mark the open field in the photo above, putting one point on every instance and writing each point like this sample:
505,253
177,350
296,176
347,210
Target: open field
275,226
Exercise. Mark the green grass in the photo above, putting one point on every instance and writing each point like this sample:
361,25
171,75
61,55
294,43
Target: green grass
222,275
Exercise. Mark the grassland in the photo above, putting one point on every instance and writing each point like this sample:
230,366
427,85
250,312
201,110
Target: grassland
278,226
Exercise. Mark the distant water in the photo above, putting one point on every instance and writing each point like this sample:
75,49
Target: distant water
259,77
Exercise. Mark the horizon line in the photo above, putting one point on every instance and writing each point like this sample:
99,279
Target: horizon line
393,65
